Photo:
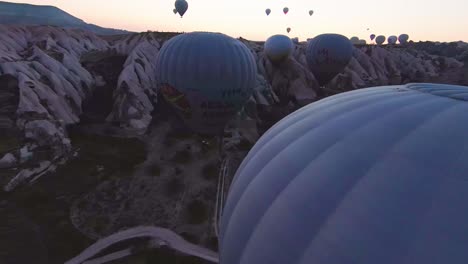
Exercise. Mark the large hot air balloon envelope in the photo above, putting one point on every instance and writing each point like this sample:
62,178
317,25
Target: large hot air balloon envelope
181,6
380,40
268,11
285,10
311,12
206,77
288,29
372,36
392,40
278,48
327,55
403,38
375,175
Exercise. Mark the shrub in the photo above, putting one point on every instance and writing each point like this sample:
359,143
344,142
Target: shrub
196,212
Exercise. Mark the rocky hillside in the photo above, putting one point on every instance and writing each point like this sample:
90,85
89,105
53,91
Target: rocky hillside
59,88
27,14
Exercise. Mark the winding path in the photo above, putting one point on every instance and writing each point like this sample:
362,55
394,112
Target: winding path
166,236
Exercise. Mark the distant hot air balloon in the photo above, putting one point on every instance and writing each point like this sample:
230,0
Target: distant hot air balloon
288,29
372,36
278,48
368,29
268,11
175,11
206,77
392,40
311,12
327,55
380,40
375,175
181,6
285,10
354,40
403,38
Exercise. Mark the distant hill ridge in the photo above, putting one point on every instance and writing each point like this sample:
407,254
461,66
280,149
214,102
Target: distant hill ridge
27,14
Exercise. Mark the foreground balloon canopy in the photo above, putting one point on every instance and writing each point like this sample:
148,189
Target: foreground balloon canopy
327,55
181,7
278,48
375,175
206,77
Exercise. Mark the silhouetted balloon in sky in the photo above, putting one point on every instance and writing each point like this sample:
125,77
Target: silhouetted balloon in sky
268,11
375,175
278,48
380,39
403,38
327,55
175,11
354,40
288,29
206,77
181,7
392,40
311,12
285,10
372,36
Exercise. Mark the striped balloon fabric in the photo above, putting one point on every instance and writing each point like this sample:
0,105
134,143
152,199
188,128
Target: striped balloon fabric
376,175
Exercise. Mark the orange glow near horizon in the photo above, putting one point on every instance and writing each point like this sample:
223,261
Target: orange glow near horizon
433,20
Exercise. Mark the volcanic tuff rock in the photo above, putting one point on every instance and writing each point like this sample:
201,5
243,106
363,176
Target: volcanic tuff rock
53,74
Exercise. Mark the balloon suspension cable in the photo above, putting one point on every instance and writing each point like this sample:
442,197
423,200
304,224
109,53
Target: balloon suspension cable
219,204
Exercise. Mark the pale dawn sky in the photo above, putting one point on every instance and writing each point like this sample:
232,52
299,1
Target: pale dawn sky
436,20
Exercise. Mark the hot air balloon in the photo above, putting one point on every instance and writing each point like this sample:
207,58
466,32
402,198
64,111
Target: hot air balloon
380,40
354,40
175,11
181,6
327,55
372,36
392,40
288,29
311,12
295,40
278,48
268,11
362,42
206,77
375,175
285,10
403,38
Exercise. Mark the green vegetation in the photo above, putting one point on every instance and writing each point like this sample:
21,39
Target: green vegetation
245,145
48,200
190,237
210,171
8,143
174,186
197,212
182,157
154,170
